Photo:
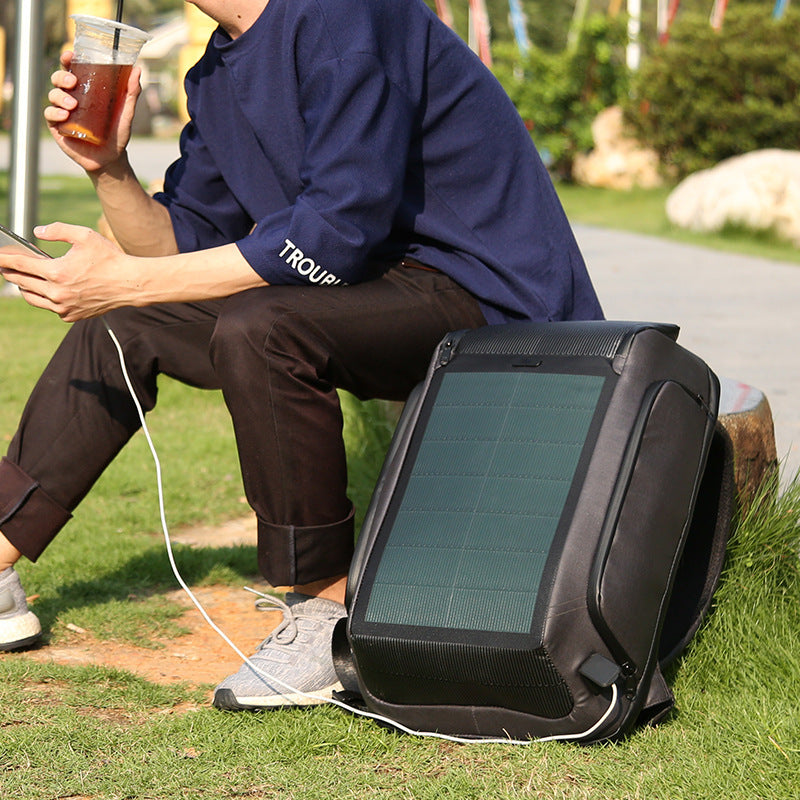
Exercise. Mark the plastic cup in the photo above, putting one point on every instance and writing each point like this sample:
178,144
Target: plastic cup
104,54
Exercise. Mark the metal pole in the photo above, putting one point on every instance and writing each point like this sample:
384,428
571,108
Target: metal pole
26,118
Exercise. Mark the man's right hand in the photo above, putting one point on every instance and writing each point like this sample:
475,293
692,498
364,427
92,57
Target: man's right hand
92,158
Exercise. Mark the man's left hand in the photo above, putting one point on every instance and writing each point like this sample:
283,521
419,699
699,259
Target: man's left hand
93,277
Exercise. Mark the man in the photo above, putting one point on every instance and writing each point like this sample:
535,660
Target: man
352,185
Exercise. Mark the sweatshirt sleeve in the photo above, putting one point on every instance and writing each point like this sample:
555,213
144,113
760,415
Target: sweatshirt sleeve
358,128
203,211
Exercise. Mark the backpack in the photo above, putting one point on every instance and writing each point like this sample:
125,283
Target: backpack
545,536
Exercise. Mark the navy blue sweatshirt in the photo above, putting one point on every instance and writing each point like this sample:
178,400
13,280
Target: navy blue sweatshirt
352,133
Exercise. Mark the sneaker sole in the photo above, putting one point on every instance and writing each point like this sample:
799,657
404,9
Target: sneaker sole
20,631
226,700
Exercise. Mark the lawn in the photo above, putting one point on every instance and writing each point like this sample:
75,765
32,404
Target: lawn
642,211
62,199
105,734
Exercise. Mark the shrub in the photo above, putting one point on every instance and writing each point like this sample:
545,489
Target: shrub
559,94
707,95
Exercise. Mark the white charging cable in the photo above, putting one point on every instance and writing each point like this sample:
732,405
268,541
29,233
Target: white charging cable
273,679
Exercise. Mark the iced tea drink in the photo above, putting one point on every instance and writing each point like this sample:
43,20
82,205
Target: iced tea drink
103,56
100,92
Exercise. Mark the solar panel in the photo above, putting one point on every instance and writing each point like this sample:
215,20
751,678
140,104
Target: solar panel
478,515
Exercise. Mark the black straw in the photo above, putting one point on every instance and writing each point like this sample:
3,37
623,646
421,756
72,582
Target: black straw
119,19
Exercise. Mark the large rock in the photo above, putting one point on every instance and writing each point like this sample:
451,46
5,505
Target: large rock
618,161
759,190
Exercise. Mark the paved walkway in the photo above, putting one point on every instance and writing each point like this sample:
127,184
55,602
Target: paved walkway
738,313
149,157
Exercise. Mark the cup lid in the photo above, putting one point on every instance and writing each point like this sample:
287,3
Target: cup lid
110,24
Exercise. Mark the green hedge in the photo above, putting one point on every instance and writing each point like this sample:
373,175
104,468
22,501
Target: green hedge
707,95
559,94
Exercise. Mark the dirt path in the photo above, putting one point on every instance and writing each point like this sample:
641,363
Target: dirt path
199,657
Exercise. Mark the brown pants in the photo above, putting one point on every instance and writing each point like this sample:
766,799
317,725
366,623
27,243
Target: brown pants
278,353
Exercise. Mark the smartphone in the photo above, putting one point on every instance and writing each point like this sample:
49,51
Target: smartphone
11,242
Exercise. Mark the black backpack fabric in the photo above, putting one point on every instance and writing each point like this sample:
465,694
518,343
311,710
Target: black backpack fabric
545,537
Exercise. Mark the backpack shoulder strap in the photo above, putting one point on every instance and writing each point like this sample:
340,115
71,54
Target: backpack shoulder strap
704,552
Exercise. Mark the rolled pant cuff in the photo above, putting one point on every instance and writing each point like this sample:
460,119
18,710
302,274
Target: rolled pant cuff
289,555
29,517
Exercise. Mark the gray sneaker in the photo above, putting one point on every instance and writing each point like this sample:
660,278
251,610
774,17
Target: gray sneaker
296,658
19,627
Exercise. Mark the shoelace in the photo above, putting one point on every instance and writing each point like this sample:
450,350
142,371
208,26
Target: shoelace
287,630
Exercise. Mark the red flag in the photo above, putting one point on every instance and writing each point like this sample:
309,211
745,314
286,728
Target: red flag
718,14
480,27
444,12
666,16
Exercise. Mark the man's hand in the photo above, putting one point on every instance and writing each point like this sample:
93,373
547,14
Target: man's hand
95,276
89,156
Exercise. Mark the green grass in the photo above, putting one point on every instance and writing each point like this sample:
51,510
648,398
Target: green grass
642,211
89,732
101,733
61,199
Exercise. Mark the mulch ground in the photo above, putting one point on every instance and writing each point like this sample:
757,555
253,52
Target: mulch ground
199,657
